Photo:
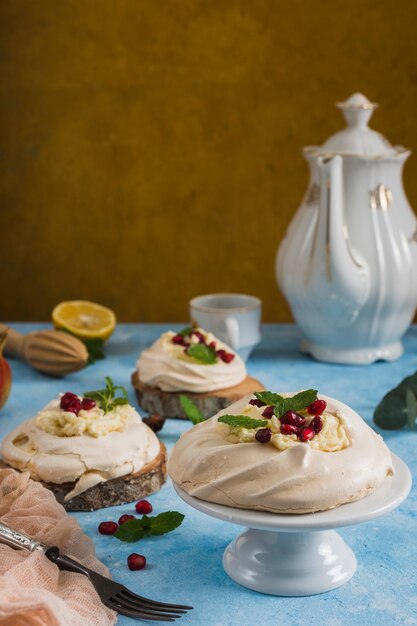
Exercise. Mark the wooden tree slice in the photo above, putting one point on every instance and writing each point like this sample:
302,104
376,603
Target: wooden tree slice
167,403
117,490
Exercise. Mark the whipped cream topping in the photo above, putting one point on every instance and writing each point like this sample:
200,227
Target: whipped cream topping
302,477
123,446
166,366
331,438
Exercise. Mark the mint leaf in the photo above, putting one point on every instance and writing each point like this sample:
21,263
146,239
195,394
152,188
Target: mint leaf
202,354
106,398
392,412
241,421
185,331
165,522
301,400
268,397
192,412
282,405
136,529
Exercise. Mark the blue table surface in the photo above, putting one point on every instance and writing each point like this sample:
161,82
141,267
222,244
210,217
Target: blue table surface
186,565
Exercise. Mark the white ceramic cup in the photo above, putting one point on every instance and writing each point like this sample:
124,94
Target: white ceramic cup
234,318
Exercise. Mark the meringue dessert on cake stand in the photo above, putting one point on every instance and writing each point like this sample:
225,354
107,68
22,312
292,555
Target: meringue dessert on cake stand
291,480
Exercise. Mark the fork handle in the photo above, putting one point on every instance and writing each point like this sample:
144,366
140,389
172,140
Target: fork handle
16,539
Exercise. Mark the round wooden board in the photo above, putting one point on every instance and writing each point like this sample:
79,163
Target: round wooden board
168,404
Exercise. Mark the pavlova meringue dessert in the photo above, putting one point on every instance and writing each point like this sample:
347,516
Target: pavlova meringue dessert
284,453
92,450
194,362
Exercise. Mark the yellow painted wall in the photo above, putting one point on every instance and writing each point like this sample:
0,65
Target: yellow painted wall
150,149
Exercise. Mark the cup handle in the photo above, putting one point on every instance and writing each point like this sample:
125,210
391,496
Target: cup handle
232,330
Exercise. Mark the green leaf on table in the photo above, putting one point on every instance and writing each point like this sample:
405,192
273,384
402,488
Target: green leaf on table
202,353
411,403
242,421
191,410
393,412
106,398
147,526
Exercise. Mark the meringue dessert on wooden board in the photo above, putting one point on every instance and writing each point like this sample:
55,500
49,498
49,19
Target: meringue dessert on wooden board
92,451
283,453
195,363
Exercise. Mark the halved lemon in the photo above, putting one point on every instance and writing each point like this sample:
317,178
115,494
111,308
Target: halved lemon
86,320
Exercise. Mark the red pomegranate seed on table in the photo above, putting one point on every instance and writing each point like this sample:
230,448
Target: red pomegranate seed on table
143,507
125,518
317,407
136,561
107,528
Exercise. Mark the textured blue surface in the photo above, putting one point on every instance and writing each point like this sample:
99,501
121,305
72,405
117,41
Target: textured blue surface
186,565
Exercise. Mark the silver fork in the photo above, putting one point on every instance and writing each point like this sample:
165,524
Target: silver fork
112,594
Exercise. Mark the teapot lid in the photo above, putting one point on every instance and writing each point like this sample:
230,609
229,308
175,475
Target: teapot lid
357,138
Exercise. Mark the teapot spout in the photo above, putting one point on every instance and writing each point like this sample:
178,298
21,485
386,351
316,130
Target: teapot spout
338,275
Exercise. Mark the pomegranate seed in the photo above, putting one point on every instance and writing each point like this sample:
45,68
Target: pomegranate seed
263,435
289,429
200,336
143,507
293,418
268,412
136,561
306,433
317,407
178,339
107,528
125,518
226,357
256,402
87,404
316,424
212,344
70,402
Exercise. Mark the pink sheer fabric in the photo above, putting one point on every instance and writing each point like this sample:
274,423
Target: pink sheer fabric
33,592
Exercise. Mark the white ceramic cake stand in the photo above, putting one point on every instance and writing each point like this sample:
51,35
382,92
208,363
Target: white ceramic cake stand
300,555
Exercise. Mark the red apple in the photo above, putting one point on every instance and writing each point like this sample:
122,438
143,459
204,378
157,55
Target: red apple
5,373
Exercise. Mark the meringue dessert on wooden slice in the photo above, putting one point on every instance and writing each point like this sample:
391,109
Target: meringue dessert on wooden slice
92,451
284,453
195,363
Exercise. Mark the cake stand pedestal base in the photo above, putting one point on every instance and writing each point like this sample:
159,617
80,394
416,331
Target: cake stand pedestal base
283,563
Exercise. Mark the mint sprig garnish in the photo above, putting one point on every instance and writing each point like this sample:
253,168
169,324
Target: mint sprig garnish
202,353
297,403
147,526
185,331
106,398
242,421
191,410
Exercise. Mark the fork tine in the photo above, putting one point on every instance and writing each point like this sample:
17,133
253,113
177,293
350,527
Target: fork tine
156,617
136,604
135,596
140,605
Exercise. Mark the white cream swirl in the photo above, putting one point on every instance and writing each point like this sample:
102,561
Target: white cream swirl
166,366
84,459
298,479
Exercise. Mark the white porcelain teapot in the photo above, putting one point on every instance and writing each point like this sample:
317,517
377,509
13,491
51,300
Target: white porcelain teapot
348,263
